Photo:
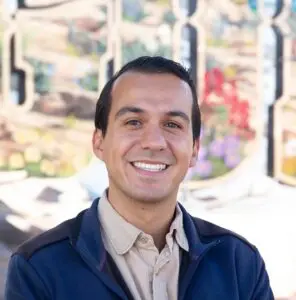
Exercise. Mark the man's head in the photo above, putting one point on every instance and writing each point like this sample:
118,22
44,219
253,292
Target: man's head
147,128
147,65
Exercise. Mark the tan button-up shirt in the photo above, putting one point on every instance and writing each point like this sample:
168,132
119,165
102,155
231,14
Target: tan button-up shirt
150,275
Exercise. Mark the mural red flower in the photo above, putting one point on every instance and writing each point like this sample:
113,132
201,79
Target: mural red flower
239,114
214,80
226,123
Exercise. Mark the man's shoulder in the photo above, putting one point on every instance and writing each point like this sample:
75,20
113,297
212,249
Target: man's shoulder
56,235
210,231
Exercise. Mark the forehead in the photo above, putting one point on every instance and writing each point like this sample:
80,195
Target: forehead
154,90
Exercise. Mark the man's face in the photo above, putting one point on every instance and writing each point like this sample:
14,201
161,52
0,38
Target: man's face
148,145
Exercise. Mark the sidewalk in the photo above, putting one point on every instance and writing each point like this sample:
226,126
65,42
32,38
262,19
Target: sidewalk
4,257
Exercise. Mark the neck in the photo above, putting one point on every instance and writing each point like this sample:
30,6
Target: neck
152,218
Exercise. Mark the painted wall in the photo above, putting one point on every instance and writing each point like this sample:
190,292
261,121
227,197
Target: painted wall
57,55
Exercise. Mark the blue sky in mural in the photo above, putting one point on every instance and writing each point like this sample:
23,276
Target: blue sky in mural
270,6
253,4
293,6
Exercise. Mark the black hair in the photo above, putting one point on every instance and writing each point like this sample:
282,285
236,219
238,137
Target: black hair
148,65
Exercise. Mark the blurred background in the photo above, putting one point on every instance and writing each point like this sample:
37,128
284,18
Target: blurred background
55,57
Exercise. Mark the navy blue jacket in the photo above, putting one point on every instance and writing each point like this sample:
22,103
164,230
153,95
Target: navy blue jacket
70,262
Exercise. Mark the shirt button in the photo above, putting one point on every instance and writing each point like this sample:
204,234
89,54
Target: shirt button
144,240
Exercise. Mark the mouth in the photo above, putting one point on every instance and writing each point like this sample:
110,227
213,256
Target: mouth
150,167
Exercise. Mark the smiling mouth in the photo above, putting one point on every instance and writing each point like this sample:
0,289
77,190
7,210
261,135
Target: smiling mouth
150,167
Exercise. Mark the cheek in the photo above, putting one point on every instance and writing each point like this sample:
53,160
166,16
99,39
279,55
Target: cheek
181,142
118,146
183,149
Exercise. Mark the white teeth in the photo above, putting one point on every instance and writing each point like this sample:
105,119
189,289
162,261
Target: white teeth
149,167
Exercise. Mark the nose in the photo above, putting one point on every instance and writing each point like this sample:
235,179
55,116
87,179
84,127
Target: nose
153,139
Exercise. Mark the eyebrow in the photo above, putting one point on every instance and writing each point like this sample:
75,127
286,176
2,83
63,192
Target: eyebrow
180,114
129,109
136,110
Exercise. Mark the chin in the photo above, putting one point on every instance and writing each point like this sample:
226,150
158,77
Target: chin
150,196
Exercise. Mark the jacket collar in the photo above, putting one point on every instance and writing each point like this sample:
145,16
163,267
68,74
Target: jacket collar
86,236
194,235
87,240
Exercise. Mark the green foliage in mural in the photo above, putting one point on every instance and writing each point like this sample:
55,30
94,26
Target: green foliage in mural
169,18
133,10
43,73
90,81
137,48
80,43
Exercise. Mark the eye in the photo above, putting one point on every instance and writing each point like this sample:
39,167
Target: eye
133,123
172,125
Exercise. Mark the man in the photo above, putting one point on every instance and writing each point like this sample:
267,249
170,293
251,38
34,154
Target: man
136,242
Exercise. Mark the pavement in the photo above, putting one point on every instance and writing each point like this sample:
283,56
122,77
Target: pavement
4,257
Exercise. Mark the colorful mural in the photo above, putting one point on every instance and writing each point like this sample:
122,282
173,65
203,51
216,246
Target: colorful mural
146,29
62,51
228,94
57,55
1,46
285,109
286,140
289,110
291,39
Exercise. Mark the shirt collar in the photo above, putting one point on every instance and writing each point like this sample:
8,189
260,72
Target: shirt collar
123,235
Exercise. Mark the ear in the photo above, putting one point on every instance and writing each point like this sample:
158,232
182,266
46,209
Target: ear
194,157
97,143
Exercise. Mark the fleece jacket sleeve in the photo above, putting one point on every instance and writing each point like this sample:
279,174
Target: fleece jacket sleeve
23,282
262,289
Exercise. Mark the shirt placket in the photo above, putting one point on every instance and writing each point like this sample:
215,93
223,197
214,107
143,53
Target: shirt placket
160,282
